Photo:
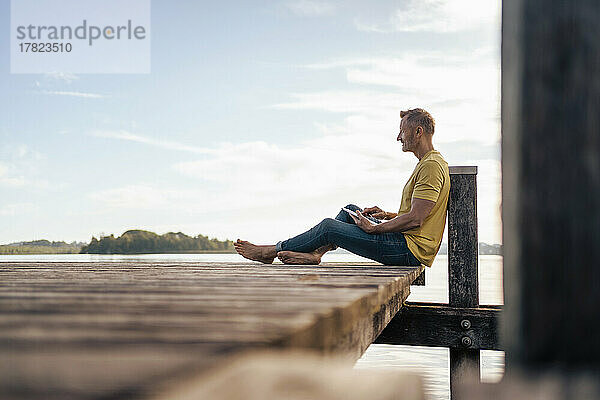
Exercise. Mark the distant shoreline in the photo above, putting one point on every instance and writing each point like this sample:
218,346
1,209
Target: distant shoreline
167,252
8,250
138,242
41,253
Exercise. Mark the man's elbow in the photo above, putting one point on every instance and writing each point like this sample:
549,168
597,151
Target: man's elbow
416,221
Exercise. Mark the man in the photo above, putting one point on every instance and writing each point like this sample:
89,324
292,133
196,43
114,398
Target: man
412,236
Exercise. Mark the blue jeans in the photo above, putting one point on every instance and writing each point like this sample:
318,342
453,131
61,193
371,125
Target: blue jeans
386,248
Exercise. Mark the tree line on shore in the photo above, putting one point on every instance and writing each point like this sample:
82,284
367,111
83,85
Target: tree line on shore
41,247
139,241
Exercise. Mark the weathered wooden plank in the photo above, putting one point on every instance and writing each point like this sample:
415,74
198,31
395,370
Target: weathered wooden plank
551,183
464,369
463,285
438,325
293,375
90,372
463,170
64,325
463,289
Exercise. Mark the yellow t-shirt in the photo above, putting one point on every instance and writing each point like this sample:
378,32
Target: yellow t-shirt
429,181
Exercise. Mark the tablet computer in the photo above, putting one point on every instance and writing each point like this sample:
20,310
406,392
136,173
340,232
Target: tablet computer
372,220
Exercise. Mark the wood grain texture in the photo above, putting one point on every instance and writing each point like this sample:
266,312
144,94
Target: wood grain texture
293,375
423,324
551,183
116,330
463,288
462,170
463,284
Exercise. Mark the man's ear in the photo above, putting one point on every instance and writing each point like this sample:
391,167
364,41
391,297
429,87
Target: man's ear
419,130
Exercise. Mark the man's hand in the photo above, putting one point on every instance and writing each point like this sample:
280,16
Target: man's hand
380,215
373,210
363,223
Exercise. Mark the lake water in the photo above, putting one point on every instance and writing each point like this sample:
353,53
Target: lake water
430,362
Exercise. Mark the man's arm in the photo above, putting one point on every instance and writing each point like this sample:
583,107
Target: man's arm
419,210
428,185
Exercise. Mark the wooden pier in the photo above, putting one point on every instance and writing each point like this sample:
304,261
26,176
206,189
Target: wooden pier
119,330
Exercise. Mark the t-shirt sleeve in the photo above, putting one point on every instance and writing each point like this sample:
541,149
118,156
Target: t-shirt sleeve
429,181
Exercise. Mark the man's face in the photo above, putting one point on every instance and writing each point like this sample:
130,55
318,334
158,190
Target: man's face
406,136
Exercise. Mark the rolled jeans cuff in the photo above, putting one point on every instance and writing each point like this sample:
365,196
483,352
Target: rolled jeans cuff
278,246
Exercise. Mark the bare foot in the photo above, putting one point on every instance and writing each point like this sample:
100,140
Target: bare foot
264,254
312,258
293,257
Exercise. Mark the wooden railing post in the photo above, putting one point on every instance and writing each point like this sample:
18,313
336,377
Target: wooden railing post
551,187
463,287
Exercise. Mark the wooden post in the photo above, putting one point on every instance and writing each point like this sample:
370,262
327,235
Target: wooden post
463,287
551,185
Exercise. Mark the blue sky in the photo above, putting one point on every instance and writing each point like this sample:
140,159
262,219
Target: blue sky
258,119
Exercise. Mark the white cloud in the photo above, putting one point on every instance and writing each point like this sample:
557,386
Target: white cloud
15,181
438,16
343,101
461,91
307,8
18,209
165,144
22,151
435,75
7,178
132,197
254,174
75,94
489,197
62,76
19,166
320,165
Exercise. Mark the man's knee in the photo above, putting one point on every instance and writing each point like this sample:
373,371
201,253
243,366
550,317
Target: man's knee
353,207
327,223
328,228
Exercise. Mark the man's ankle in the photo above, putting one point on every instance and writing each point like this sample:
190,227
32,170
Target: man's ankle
269,252
322,250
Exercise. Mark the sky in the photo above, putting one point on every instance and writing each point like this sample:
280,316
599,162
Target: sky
258,119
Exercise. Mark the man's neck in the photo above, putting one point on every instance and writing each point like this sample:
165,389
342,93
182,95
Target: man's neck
422,150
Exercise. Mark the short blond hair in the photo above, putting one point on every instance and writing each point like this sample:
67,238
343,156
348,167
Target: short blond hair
419,117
